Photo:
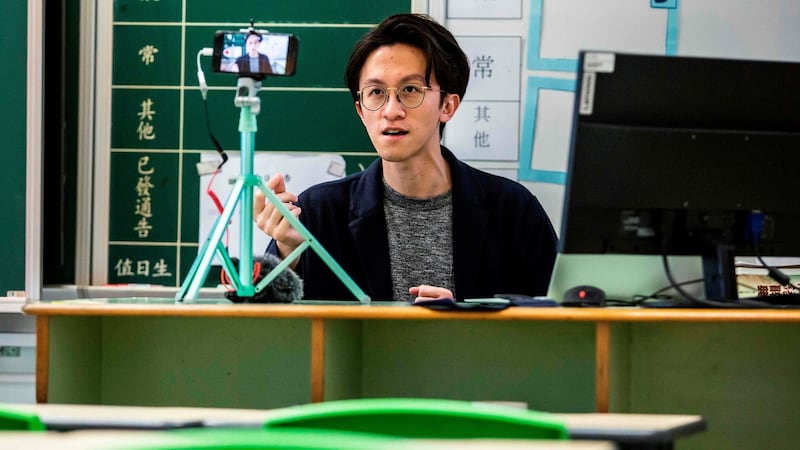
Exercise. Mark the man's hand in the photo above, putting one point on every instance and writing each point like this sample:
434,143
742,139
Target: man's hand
424,293
270,220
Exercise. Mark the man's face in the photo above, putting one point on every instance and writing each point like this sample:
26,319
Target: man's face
251,45
397,132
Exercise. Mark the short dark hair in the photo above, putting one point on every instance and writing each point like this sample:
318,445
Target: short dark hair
444,56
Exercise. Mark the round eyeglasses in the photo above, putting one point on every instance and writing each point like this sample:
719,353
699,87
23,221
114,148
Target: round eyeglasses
409,95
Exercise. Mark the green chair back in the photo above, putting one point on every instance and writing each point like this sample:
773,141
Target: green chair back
11,420
421,418
261,439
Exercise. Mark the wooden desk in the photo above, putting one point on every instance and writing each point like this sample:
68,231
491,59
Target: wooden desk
318,314
639,360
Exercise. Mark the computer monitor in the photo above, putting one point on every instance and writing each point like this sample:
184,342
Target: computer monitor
675,155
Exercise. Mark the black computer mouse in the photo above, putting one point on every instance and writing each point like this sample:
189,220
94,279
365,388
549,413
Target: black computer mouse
584,295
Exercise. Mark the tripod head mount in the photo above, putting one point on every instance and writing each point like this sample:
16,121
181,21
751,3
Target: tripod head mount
247,94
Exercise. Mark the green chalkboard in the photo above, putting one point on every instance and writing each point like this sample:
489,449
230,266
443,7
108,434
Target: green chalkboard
158,122
13,18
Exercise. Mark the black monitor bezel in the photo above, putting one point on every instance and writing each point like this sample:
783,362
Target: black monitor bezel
737,119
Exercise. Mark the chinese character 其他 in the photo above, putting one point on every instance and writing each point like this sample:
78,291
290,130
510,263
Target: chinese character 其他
146,130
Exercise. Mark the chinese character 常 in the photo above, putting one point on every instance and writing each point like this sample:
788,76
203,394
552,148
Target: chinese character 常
148,54
482,66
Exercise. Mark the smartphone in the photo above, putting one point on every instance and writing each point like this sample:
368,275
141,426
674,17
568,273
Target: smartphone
255,54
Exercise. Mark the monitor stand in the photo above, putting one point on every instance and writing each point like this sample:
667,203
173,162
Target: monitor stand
719,271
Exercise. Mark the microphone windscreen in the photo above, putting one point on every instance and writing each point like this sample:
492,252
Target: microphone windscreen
285,288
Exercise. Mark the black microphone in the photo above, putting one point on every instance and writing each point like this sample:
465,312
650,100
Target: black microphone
285,288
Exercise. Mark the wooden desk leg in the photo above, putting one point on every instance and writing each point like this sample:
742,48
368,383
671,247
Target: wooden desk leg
42,358
602,345
317,360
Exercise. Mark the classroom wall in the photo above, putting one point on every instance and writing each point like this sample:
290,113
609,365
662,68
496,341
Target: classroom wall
553,31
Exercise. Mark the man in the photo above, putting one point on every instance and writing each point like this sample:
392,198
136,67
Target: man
417,224
253,61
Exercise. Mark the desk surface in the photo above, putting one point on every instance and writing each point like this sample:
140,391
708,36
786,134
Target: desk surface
399,311
632,428
627,428
126,440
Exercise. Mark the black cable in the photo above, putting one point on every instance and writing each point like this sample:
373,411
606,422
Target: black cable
682,283
773,272
694,301
742,303
746,265
217,145
639,299
755,229
620,302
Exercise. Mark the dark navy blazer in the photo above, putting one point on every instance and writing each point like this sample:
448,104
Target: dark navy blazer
503,241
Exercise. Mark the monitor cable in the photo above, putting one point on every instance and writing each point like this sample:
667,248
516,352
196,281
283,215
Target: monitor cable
742,303
755,229
641,299
700,302
694,302
689,300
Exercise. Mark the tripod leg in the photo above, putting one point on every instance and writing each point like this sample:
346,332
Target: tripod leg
343,276
281,267
197,274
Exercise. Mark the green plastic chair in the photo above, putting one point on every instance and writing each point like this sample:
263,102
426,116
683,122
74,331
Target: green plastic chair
260,439
421,418
11,420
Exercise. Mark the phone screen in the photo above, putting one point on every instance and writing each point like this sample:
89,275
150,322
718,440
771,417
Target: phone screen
255,54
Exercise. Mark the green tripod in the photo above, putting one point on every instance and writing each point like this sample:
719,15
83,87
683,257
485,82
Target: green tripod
242,195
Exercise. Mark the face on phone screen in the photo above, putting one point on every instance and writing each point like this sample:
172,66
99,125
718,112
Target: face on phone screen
255,54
